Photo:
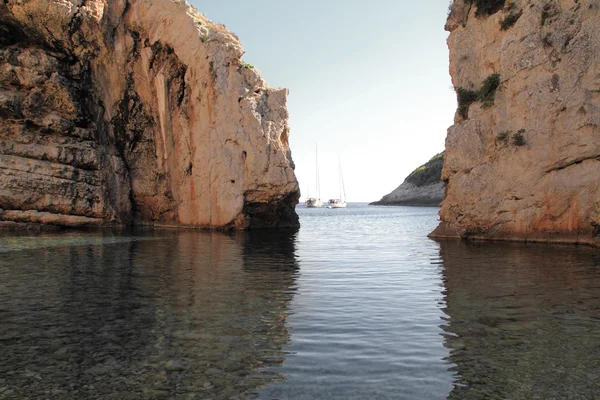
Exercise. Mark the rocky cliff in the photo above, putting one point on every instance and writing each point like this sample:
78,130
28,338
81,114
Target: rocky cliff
118,112
523,156
423,187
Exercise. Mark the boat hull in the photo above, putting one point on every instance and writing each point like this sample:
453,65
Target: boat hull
313,203
336,204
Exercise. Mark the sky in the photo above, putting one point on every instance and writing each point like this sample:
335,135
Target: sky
368,80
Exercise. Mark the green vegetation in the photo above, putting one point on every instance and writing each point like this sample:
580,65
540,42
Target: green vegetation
486,7
488,90
510,20
485,95
518,139
467,96
428,173
245,65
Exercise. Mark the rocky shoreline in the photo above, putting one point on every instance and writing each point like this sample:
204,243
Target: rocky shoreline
408,194
451,231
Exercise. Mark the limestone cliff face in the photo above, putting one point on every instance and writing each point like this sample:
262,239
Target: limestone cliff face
423,187
523,156
117,112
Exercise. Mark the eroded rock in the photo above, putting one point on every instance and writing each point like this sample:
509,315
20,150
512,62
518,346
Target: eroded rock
524,165
141,112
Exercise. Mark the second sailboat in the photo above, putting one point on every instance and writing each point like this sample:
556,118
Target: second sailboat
341,202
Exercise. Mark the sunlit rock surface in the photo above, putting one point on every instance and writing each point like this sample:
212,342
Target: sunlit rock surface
524,164
117,112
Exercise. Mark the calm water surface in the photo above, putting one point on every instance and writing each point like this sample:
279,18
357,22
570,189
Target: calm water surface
358,304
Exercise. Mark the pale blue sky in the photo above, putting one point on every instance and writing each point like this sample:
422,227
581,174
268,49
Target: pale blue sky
368,81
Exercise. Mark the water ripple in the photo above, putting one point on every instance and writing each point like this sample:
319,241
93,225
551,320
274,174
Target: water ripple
358,304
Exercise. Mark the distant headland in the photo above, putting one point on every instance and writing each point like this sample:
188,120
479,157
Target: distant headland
423,187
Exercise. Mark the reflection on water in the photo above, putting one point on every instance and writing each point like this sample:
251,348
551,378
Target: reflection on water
358,304
365,320
524,320
143,317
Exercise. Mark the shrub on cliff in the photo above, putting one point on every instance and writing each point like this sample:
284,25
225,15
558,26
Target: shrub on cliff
510,20
518,139
488,90
486,7
485,95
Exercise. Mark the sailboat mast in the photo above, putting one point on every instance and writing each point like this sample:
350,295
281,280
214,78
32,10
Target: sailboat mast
342,187
317,159
340,176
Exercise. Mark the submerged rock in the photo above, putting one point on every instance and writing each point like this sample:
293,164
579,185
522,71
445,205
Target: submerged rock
523,156
117,113
423,187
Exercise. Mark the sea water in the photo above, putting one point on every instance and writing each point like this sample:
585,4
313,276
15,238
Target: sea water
357,304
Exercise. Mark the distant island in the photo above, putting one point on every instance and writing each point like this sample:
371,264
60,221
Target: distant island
423,187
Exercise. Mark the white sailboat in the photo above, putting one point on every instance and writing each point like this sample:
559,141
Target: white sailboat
341,202
312,202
